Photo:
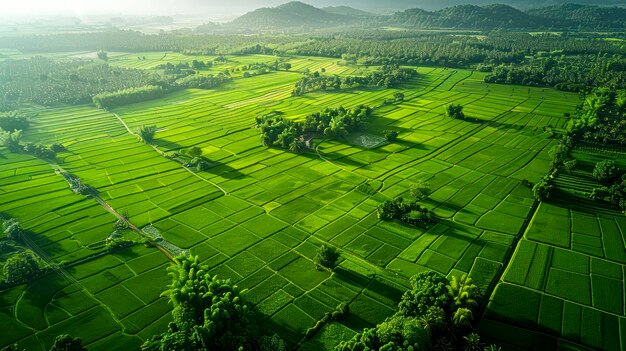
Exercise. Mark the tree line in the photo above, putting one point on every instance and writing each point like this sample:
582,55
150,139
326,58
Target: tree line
386,76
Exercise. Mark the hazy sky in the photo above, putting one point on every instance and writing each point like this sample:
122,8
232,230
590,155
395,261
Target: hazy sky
172,7
137,7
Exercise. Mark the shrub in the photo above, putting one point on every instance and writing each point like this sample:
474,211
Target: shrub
390,135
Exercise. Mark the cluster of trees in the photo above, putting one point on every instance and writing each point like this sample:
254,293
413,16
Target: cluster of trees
208,313
390,135
455,111
327,257
12,122
201,81
64,342
601,119
23,264
117,240
559,154
278,131
45,81
337,122
568,73
199,163
434,314
258,68
543,189
387,76
179,67
410,212
149,92
614,184
13,142
385,48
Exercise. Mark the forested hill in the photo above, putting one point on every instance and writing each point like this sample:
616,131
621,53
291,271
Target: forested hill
293,15
471,17
587,17
298,15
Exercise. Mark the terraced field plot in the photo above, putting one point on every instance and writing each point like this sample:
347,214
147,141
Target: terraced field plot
258,215
565,284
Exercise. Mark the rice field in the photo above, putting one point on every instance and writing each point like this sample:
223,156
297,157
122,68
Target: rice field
568,270
258,215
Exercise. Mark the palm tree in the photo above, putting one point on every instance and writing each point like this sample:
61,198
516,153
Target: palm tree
463,317
463,291
472,342
146,133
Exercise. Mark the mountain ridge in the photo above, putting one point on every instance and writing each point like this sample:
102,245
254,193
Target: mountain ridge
300,15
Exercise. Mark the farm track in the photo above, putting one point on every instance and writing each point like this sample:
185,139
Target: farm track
110,209
163,154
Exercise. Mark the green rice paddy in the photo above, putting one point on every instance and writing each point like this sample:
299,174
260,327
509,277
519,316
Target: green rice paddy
258,215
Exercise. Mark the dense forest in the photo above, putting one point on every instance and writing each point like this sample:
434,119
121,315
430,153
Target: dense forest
47,82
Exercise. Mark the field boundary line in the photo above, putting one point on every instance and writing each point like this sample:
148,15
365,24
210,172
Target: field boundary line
509,257
162,153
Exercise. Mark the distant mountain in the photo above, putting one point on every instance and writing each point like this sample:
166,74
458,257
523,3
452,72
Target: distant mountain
390,6
471,17
347,11
291,15
580,16
303,17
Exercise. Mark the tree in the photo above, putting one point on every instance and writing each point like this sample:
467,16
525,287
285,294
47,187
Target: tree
570,165
327,257
12,122
428,290
102,55
419,191
399,97
273,343
146,133
297,146
11,140
66,342
542,190
21,267
336,128
406,211
463,292
558,153
11,228
208,313
463,318
472,342
390,135
605,171
57,147
194,152
455,111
